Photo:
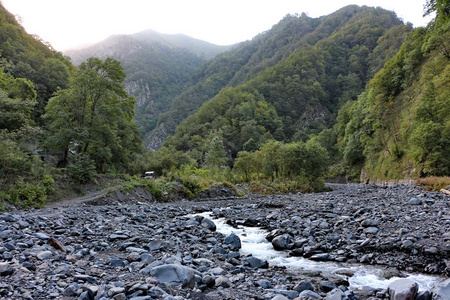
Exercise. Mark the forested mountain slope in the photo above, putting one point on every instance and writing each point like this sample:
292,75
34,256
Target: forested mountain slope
326,65
400,126
25,56
158,66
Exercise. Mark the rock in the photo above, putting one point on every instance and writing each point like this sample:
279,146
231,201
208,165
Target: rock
370,223
423,295
442,291
335,294
264,283
174,275
56,244
233,241
403,289
309,295
320,257
41,235
223,282
42,255
208,224
283,242
255,262
279,297
414,201
6,269
303,286
327,286
371,230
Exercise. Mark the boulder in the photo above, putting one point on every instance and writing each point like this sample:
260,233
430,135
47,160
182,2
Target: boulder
208,224
283,242
403,289
442,291
233,241
174,275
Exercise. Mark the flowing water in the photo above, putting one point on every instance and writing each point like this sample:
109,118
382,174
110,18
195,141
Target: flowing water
254,242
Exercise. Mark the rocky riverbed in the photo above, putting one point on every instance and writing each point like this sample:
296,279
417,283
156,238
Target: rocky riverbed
134,248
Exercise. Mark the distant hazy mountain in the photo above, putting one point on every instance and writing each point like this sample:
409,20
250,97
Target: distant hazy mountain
158,66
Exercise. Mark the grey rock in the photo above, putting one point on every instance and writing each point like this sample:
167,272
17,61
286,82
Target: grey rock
327,286
403,289
371,230
41,235
279,297
414,201
208,224
42,255
6,269
320,257
308,295
335,294
255,262
264,283
370,223
442,291
303,286
174,275
233,241
283,242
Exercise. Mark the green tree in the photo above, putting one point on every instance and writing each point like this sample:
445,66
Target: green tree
94,116
215,158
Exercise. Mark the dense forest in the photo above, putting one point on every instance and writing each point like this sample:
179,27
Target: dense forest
356,94
158,67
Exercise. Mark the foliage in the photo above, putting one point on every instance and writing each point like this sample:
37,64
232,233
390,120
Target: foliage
304,67
94,116
80,168
399,126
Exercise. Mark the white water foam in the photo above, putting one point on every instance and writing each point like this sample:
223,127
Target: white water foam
254,242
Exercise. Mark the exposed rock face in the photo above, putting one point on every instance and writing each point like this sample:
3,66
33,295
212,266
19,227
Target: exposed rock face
138,249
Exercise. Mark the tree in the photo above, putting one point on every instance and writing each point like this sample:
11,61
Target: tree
94,116
440,7
215,158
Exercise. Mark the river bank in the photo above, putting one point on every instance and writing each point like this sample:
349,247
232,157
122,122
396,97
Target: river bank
139,249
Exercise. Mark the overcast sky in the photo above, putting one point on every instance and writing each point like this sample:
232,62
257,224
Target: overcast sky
70,23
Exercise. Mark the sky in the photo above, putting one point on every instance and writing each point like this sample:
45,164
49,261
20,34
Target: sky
68,24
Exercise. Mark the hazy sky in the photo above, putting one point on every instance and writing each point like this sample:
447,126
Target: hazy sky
69,23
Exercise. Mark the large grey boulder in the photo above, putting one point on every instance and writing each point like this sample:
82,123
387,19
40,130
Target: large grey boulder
442,291
283,242
233,241
207,223
403,289
174,275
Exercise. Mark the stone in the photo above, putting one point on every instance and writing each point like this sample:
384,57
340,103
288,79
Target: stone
208,224
303,286
264,283
320,257
42,255
327,286
308,295
255,262
371,230
174,275
370,223
233,241
414,201
279,297
222,281
442,291
403,289
283,242
335,294
41,235
6,269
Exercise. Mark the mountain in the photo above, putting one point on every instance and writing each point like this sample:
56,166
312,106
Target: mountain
349,46
158,66
400,127
286,83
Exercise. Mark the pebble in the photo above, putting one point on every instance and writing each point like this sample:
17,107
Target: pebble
151,250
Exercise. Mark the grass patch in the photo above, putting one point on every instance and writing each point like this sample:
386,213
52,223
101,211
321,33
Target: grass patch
434,183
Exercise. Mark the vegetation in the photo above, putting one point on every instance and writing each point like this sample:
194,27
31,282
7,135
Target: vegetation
357,90
399,126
